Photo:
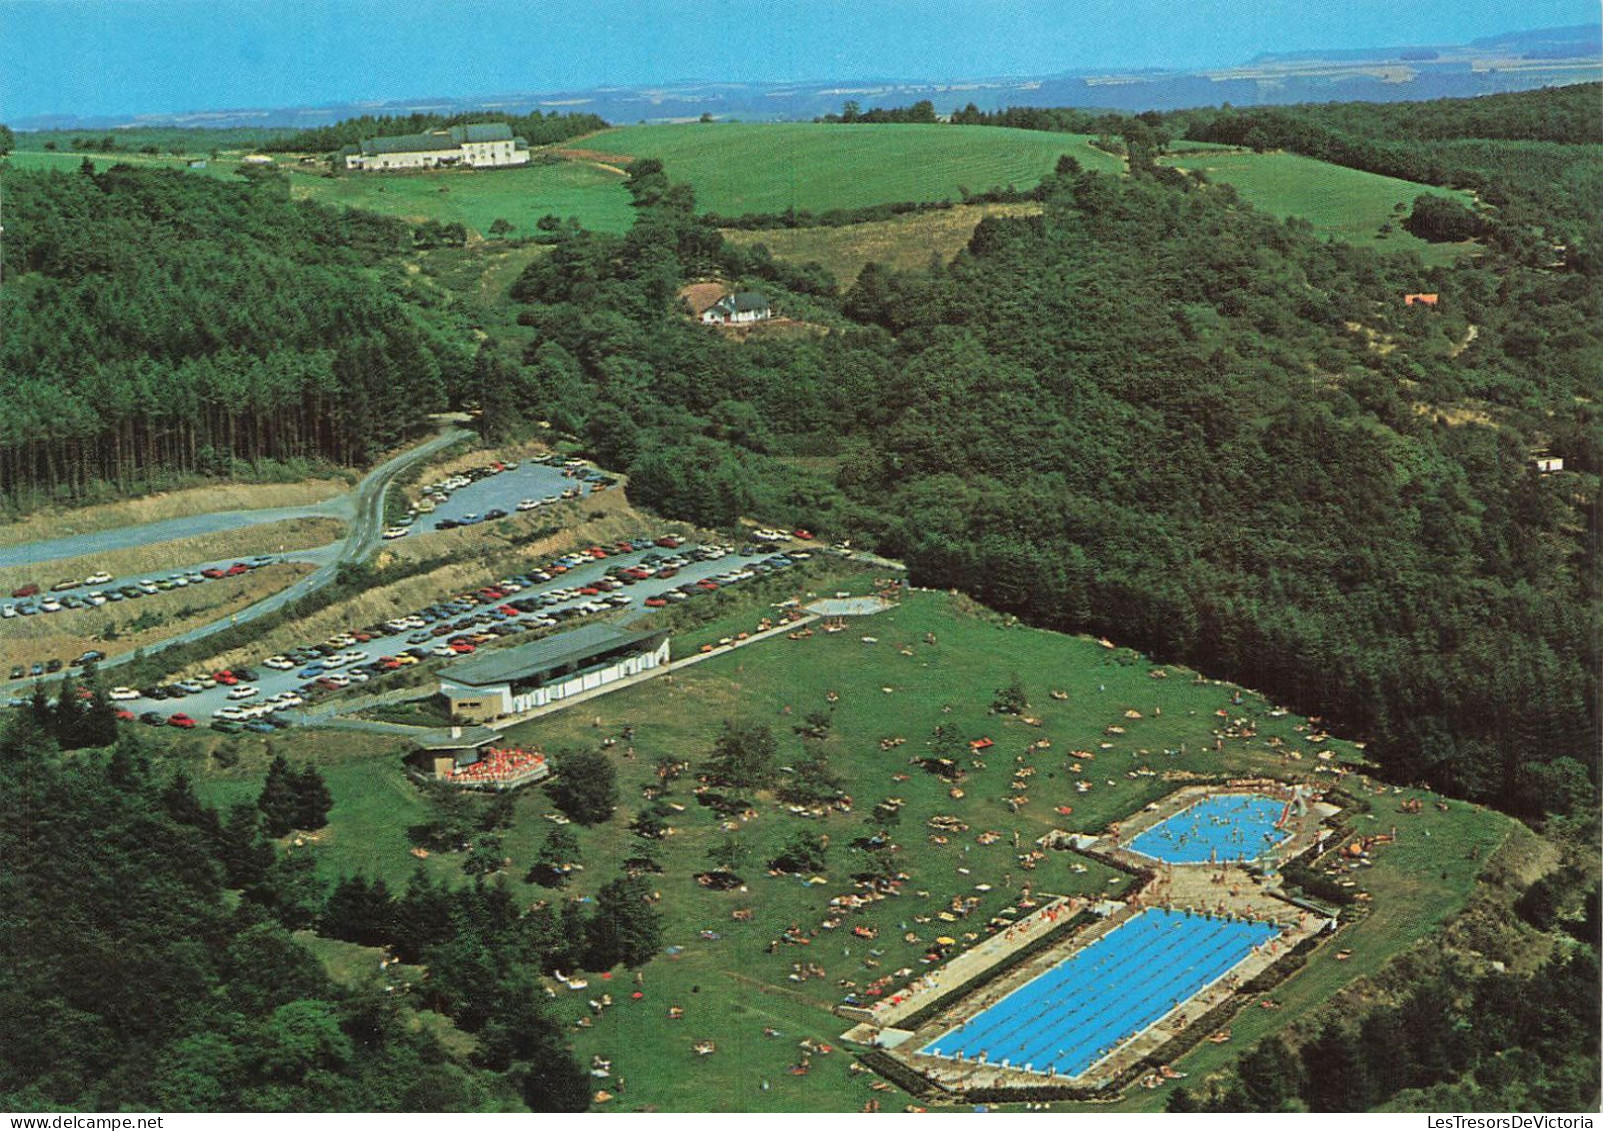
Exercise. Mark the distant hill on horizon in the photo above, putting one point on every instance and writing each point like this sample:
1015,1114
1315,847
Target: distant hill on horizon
1511,61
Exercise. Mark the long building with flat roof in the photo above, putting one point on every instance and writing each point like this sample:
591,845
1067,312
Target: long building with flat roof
478,146
511,681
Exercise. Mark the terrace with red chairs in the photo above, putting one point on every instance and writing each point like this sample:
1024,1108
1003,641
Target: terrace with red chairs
501,768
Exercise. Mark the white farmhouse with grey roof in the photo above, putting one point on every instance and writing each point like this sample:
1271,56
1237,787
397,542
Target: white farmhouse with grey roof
484,145
744,306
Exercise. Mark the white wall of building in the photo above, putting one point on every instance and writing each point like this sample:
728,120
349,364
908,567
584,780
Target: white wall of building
473,154
515,703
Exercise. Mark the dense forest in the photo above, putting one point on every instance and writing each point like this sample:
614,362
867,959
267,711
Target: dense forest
1458,1041
534,127
159,322
149,963
1153,414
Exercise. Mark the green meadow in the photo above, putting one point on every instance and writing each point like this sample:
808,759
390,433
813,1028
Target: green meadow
738,168
1345,204
932,660
479,197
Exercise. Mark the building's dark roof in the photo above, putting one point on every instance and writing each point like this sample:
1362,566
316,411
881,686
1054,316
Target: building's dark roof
409,143
507,664
742,302
482,131
455,738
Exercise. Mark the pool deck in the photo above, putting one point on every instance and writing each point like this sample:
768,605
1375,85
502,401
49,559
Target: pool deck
1225,889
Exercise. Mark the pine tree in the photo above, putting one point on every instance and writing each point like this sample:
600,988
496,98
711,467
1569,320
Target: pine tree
1334,1067
279,800
1270,1076
626,928
67,718
245,853
312,799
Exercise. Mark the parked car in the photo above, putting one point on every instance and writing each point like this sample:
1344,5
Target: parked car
181,720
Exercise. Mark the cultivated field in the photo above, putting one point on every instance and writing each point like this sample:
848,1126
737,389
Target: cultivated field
479,197
906,243
739,168
1341,203
933,660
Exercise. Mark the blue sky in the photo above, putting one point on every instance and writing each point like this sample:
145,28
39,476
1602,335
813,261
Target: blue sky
95,57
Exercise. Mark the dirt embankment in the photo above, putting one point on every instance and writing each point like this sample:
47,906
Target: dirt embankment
63,522
128,625
161,558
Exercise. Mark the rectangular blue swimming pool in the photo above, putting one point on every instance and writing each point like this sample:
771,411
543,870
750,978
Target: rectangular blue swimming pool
1077,1012
1220,828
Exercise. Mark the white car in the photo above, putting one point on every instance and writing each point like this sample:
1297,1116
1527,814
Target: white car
279,663
121,693
340,680
97,598
8,611
230,713
396,532
354,657
97,578
51,605
529,504
147,586
442,650
244,692
286,699
337,660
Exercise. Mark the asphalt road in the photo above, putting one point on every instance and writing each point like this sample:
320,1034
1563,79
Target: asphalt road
363,532
147,533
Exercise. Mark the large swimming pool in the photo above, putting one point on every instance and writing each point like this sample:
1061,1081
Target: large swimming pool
1076,1013
1221,827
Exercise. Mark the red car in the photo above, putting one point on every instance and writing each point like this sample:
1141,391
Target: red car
655,602
668,542
589,591
214,573
26,591
596,552
125,716
237,568
462,648
709,586
226,678
667,571
181,720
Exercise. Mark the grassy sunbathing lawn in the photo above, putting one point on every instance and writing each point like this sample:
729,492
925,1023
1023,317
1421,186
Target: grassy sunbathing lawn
932,660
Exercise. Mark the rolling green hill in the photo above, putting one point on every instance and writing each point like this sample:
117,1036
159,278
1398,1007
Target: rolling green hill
739,168
1345,204
478,198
